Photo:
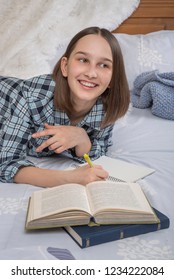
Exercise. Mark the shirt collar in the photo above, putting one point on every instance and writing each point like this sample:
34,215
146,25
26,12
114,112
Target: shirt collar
95,116
93,119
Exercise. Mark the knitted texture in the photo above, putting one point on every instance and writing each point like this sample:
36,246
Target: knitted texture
155,90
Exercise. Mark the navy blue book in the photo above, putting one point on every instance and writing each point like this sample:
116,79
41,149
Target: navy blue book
87,236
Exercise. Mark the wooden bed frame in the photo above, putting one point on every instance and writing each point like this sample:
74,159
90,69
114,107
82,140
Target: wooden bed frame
150,16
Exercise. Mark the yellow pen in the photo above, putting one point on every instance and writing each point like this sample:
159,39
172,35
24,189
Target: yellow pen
87,158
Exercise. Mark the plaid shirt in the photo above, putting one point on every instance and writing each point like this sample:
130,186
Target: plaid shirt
25,105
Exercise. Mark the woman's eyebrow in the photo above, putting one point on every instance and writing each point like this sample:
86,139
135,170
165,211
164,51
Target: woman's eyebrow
88,54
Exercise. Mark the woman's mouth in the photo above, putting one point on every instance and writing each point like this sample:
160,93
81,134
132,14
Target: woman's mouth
87,84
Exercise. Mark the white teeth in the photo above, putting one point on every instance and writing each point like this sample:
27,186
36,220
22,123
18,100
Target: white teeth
87,84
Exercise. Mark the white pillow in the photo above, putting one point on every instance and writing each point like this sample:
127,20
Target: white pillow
148,52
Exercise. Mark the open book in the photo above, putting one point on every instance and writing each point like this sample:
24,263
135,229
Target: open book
101,202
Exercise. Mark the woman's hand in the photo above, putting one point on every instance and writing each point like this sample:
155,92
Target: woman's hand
63,138
86,174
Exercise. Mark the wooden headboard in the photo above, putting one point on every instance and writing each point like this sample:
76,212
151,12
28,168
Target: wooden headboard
150,16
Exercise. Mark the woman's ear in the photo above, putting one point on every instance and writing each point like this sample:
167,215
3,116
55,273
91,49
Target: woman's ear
63,66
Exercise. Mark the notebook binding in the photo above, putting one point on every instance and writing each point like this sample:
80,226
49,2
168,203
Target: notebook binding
113,179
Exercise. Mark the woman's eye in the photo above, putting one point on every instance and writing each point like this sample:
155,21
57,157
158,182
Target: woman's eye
103,65
83,60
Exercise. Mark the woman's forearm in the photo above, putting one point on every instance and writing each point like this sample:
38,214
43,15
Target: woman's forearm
41,177
51,178
84,145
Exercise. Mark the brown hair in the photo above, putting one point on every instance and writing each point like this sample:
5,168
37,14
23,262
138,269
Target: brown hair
116,98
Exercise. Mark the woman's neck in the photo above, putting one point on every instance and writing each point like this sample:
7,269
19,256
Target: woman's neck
76,117
80,111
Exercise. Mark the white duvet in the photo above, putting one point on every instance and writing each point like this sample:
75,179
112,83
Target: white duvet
140,138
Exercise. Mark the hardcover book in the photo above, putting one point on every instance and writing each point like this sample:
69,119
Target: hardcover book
86,236
102,202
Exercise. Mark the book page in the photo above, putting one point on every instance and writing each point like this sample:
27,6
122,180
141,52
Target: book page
107,195
62,198
120,170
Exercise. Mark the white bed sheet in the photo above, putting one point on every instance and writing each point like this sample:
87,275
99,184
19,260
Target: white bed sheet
140,138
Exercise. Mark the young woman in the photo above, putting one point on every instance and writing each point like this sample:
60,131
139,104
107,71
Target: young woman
73,110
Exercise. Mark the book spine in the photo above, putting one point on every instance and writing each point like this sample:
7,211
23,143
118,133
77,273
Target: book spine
125,232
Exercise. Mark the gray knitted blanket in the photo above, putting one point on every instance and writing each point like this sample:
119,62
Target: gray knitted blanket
155,90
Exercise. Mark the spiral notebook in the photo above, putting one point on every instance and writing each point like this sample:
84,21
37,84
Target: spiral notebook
123,171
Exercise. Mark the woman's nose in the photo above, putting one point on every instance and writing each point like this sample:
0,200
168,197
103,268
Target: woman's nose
91,71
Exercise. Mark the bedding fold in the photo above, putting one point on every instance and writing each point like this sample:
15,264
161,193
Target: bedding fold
155,90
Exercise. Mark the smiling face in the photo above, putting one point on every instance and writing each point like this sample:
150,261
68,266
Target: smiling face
88,69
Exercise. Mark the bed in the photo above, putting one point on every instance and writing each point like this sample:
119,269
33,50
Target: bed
141,137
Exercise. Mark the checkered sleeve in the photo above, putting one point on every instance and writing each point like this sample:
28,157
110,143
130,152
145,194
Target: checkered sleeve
101,141
14,128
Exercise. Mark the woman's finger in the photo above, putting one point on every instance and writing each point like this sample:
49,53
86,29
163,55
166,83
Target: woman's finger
45,132
46,144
